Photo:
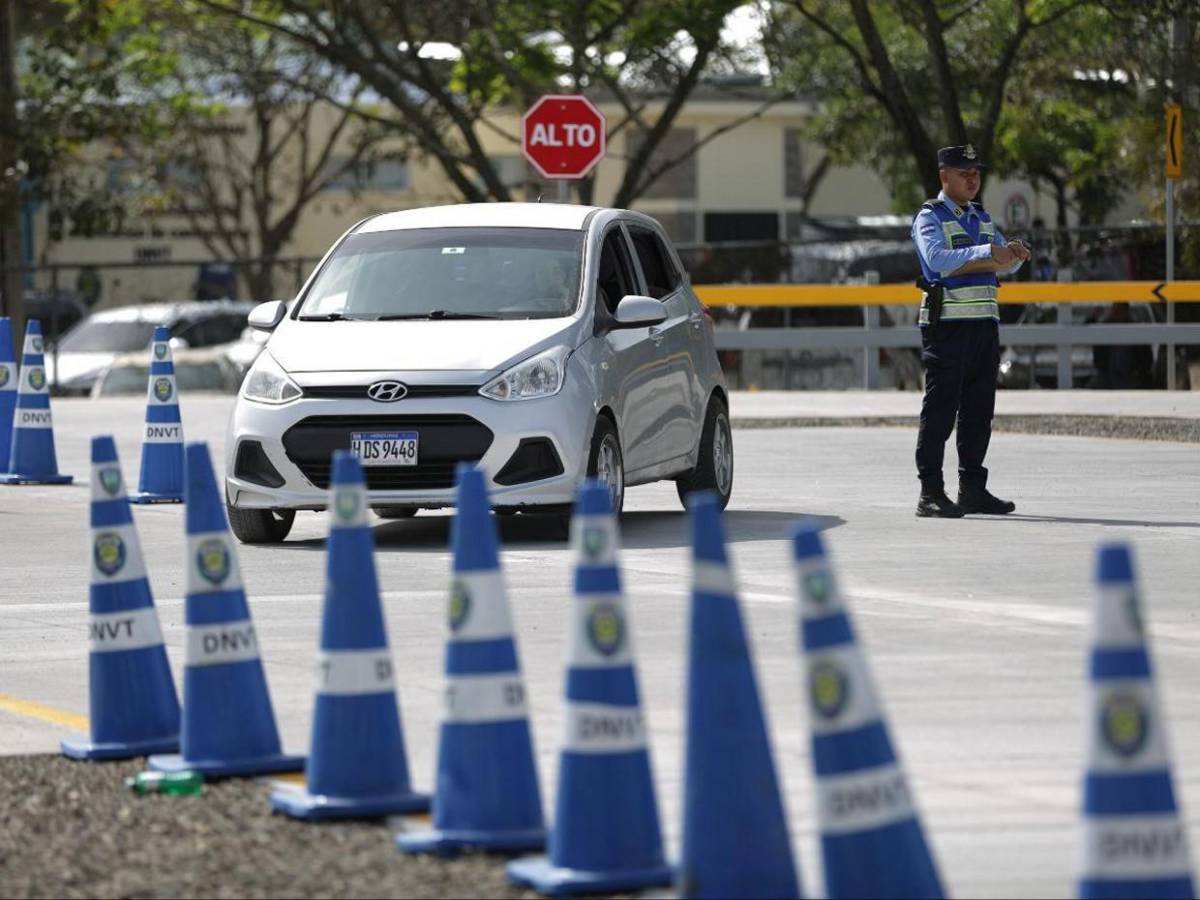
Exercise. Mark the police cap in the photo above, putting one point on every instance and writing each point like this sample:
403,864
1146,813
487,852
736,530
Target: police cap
963,156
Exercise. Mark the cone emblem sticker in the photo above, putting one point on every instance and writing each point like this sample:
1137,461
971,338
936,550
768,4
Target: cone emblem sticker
346,503
828,688
4,376
460,605
110,480
109,552
162,389
212,560
1124,724
37,378
160,351
816,585
594,540
38,345
606,628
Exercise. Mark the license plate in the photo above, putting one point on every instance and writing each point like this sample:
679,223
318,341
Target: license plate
384,448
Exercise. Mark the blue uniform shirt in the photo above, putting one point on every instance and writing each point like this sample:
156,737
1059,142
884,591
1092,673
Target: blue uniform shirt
930,240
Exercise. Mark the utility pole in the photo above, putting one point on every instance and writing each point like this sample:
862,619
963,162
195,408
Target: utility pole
12,291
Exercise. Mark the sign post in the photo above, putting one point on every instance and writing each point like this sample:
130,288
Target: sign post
1174,170
563,137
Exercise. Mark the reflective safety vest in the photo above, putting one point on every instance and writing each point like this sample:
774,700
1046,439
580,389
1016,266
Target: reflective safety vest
966,296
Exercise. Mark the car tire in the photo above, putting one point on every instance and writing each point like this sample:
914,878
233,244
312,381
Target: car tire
606,463
396,512
714,463
260,526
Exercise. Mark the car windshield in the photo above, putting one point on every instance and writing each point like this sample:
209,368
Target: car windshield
448,273
94,335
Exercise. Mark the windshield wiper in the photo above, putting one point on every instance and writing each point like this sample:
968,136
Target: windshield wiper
433,314
331,317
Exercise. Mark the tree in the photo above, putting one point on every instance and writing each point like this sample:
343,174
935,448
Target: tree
446,68
939,70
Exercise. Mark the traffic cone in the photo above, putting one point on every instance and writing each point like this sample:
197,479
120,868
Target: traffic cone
356,766
735,834
31,456
162,448
8,390
134,709
606,835
487,789
872,842
1134,842
228,723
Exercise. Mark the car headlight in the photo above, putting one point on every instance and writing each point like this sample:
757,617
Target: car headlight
266,382
538,376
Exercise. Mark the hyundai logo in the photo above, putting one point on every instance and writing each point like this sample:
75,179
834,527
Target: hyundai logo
387,391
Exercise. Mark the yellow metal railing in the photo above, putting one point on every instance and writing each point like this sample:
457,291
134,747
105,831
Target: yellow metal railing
896,294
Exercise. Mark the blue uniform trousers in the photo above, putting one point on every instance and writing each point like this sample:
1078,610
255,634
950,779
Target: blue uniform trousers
961,360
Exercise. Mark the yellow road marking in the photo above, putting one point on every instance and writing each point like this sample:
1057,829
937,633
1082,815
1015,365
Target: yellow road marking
31,710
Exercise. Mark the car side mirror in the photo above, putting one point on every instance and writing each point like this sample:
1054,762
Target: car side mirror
635,310
267,315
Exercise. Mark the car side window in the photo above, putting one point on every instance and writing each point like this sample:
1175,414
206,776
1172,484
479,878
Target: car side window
657,267
615,278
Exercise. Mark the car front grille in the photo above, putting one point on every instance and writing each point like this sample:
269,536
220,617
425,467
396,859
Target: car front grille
415,391
443,442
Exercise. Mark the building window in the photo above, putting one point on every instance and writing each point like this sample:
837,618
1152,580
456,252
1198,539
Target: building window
679,181
369,175
793,164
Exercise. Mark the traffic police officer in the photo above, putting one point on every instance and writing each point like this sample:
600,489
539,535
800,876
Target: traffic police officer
961,253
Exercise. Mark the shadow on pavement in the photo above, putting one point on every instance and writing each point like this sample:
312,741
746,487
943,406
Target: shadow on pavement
1119,523
643,529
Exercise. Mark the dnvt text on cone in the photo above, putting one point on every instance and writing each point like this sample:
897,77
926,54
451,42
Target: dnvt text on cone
605,835
31,458
228,722
487,795
134,708
357,766
161,479
1133,840
735,834
872,842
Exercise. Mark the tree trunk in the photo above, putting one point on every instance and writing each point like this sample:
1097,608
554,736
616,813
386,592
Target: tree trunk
12,292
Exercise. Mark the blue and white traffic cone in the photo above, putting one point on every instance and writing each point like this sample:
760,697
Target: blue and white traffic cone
606,834
228,722
31,457
872,842
1133,840
161,480
357,766
487,794
134,708
8,390
735,834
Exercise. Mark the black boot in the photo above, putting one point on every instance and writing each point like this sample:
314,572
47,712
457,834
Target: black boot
979,500
935,504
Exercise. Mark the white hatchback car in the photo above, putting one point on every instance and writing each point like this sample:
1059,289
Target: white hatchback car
544,343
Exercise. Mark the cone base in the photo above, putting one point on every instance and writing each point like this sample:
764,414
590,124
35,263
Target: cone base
18,478
220,768
546,878
450,841
319,807
151,497
84,748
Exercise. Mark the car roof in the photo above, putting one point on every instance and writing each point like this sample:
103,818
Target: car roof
169,312
566,216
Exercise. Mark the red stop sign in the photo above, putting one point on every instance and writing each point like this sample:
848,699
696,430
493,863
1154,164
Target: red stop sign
563,135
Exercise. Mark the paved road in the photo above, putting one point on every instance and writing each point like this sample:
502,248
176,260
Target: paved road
976,629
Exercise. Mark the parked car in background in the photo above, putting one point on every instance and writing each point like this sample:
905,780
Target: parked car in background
57,311
92,345
544,343
208,369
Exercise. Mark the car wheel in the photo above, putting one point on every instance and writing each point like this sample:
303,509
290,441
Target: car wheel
396,512
714,464
606,463
260,526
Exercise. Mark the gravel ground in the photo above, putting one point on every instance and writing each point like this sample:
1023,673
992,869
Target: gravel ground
1138,428
71,829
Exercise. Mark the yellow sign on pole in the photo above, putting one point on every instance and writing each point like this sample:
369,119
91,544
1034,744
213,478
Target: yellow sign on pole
1174,140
